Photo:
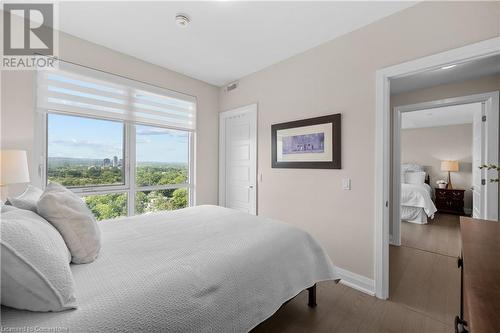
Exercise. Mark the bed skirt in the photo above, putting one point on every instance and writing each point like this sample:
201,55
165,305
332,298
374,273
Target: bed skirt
413,215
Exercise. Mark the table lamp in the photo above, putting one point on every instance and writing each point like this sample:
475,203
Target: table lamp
13,167
450,166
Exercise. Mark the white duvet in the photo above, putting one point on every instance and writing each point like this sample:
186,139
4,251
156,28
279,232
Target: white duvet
418,195
200,269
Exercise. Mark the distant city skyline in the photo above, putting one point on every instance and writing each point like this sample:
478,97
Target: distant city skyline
84,138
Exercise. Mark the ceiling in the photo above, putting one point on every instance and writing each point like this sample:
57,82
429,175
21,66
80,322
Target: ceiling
461,72
443,116
226,40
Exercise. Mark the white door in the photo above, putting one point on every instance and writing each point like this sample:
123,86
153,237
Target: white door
238,159
485,151
477,153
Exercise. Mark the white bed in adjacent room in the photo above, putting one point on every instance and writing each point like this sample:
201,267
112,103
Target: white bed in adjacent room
200,269
416,203
416,195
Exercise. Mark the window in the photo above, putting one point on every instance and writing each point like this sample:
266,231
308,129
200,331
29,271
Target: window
84,152
126,148
162,156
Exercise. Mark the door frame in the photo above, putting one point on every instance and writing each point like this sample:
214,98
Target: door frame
382,142
250,109
490,101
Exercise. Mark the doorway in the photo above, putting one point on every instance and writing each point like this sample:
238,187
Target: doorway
447,59
238,159
481,112
441,135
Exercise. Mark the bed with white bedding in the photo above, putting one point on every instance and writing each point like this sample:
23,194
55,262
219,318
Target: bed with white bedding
200,269
416,203
416,194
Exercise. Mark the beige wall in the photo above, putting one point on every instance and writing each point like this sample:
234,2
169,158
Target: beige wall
339,76
429,146
18,100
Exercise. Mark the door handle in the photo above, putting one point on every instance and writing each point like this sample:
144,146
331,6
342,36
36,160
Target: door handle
250,186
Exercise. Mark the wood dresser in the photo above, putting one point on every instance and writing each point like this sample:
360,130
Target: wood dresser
480,269
450,201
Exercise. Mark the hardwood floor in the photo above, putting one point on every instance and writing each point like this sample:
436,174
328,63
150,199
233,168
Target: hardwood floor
343,309
441,235
424,291
425,282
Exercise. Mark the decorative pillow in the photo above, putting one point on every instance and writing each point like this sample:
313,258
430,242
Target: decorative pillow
68,213
27,200
35,268
411,167
415,177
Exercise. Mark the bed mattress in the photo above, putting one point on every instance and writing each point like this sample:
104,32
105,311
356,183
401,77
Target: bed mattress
200,269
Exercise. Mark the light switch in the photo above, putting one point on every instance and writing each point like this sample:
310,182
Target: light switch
346,184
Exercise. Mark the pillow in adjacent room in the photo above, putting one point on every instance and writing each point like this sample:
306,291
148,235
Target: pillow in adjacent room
68,213
35,272
27,200
415,177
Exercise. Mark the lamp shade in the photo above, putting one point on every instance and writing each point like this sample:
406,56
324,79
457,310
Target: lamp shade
449,166
13,167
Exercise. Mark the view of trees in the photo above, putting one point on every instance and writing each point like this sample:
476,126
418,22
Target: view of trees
150,174
76,175
152,201
106,206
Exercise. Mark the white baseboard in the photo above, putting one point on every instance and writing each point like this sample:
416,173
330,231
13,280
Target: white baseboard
356,281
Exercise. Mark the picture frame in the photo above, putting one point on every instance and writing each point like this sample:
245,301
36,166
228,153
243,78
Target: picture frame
313,143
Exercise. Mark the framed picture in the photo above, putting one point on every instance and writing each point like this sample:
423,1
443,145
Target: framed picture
312,143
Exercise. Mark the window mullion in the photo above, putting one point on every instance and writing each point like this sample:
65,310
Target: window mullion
131,156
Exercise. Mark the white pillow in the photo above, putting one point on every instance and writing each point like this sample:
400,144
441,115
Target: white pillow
415,177
27,200
68,213
35,268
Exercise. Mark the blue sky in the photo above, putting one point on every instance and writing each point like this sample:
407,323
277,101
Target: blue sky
98,139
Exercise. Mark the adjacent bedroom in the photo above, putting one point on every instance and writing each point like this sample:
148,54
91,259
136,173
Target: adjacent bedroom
436,174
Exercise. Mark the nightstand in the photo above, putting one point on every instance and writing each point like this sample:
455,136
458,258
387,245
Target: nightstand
450,201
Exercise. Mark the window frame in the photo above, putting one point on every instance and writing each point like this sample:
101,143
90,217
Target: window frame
129,161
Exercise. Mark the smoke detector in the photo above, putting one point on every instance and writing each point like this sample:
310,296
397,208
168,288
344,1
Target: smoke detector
182,20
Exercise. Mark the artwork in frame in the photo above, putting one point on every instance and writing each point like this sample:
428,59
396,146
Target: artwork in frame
313,143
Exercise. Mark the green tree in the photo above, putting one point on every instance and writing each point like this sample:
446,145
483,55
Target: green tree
107,206
180,198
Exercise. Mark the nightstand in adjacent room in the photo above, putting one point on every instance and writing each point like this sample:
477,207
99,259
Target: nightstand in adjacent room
450,201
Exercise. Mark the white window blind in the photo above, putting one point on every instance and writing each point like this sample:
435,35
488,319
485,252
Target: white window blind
81,91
